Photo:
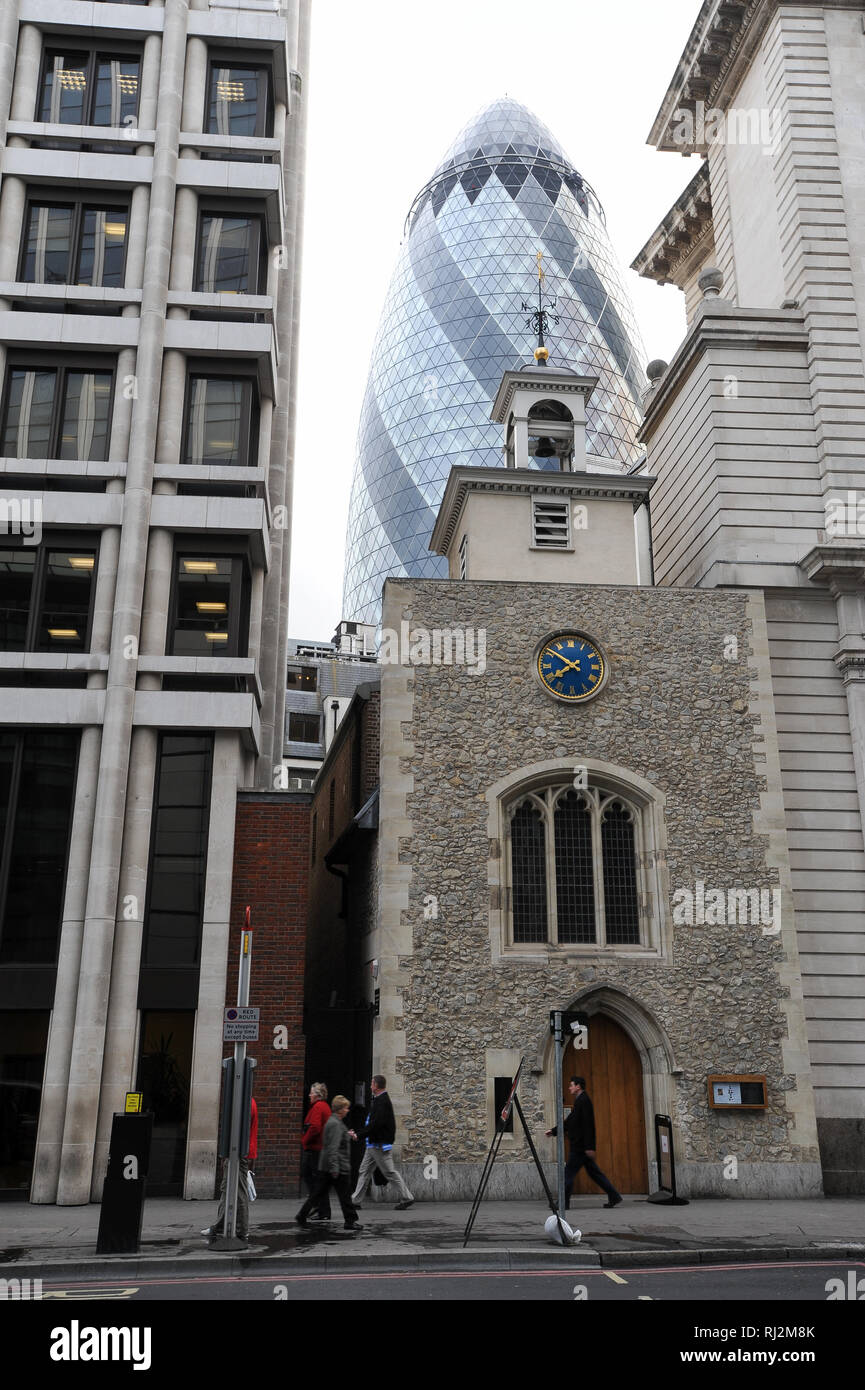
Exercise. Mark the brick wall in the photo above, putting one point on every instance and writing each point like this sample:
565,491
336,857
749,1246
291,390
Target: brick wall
271,873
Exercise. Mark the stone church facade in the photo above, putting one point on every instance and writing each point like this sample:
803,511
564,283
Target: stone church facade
687,740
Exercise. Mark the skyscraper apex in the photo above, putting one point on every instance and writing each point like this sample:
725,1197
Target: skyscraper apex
453,323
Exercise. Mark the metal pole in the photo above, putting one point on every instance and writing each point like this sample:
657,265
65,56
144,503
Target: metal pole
230,1227
560,1117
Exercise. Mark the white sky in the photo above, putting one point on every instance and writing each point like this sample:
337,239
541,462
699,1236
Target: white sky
391,84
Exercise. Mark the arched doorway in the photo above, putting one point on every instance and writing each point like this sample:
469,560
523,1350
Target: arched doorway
614,1081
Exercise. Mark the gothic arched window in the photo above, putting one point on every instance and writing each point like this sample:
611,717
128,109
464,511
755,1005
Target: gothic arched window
574,868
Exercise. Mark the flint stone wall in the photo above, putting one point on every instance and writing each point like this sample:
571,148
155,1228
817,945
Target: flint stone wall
678,714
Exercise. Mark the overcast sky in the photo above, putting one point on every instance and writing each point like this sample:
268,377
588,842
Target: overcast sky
390,86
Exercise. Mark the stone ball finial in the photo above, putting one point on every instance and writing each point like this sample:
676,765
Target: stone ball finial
711,282
656,369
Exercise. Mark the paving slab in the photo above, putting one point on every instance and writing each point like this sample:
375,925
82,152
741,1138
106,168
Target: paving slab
61,1241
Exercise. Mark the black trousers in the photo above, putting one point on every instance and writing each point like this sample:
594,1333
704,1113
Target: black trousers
309,1173
580,1159
320,1192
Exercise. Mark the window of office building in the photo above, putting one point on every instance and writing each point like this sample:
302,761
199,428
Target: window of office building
221,420
23,1043
37,785
84,87
239,99
165,1077
210,608
231,250
302,678
178,852
304,728
61,411
46,596
74,243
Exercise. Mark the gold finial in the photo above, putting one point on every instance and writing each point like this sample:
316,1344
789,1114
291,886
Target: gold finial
539,258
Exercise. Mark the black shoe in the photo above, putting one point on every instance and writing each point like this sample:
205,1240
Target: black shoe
404,1206
614,1202
317,1216
352,1226
301,1220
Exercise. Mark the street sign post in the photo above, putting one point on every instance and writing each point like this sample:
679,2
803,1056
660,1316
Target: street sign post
556,1020
245,1029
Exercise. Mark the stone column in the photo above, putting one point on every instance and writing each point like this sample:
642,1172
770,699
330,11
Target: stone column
195,87
215,946
91,1015
27,69
286,321
8,50
13,199
121,1038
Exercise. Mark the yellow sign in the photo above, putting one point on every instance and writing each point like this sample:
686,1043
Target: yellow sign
134,1100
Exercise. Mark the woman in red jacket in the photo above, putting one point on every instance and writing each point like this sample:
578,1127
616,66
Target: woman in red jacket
313,1137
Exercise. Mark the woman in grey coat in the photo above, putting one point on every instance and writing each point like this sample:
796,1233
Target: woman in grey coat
334,1168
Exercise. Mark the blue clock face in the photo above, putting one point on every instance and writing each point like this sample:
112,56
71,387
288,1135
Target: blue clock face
571,667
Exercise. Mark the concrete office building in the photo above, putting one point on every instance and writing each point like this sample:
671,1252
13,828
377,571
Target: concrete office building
150,213
321,679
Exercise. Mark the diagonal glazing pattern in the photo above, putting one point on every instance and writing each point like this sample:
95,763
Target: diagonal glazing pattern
453,323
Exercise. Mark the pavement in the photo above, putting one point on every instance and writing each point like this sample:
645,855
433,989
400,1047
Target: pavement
53,1242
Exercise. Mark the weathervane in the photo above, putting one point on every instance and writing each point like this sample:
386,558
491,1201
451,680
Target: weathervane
539,318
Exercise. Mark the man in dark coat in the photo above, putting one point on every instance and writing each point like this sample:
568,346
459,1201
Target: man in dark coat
379,1133
580,1129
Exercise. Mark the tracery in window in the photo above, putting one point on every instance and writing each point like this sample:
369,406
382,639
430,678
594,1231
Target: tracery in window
574,867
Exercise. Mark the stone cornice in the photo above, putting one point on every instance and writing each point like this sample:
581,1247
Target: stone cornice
529,378
716,57
463,479
722,323
840,564
687,226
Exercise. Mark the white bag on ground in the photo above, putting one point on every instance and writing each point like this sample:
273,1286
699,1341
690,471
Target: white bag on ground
250,1186
556,1228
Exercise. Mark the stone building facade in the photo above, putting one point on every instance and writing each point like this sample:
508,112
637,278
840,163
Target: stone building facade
687,737
755,432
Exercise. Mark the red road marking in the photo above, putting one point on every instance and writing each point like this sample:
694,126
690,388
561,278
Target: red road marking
468,1274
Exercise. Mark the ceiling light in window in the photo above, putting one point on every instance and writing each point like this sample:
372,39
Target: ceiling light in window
221,443
115,229
200,566
216,636
212,607
81,562
230,91
74,80
128,83
63,634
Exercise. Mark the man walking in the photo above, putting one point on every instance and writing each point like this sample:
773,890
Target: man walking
580,1129
379,1133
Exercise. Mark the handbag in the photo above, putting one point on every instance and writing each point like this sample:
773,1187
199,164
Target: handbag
379,1178
250,1186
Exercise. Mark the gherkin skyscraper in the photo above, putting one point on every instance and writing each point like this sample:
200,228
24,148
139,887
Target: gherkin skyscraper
453,322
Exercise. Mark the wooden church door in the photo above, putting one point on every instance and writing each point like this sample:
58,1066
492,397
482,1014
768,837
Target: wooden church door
614,1082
